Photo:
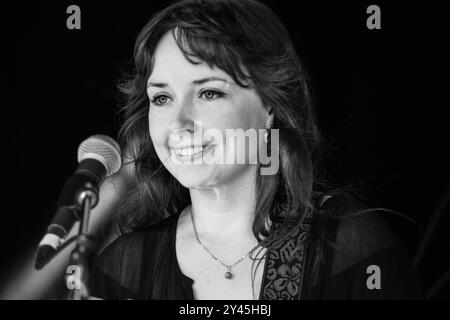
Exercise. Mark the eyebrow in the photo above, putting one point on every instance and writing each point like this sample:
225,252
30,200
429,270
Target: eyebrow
196,82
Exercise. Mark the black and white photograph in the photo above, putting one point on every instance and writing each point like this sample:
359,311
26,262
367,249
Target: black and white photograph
226,150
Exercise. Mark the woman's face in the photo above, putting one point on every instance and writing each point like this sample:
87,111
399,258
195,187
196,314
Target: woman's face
192,105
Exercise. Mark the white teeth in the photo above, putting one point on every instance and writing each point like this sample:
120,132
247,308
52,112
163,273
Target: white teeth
188,151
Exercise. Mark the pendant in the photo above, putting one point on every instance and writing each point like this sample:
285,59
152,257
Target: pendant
228,274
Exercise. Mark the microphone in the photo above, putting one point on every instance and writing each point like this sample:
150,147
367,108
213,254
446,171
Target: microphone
99,156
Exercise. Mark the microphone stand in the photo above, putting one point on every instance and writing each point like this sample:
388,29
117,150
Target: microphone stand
80,257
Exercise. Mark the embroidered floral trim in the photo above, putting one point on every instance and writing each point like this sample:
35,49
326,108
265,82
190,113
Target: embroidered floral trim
285,264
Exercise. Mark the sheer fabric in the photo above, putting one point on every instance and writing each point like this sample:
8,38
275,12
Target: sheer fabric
338,259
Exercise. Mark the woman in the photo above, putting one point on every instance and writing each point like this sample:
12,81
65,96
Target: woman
198,227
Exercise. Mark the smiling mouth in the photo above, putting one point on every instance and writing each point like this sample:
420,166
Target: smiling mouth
191,152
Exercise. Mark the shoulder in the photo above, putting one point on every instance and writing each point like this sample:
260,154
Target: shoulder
130,246
357,238
118,270
356,230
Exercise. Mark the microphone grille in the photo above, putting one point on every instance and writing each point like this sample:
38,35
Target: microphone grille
104,149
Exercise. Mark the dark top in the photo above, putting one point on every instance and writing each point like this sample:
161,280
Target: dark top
333,263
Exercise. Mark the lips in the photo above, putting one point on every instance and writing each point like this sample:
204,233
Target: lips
187,153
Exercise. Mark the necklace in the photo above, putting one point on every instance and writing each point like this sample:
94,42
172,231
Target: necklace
228,274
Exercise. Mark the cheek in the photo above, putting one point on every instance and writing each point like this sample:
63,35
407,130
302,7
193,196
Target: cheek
243,113
234,120
248,115
252,111
157,130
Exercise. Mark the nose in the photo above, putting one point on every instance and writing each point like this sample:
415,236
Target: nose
182,118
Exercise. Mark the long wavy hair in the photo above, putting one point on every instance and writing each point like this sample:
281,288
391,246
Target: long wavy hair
230,35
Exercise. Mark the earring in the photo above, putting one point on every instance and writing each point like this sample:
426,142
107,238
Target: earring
266,134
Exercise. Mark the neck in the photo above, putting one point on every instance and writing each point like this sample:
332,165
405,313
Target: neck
226,212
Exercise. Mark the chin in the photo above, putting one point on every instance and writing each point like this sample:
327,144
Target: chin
194,178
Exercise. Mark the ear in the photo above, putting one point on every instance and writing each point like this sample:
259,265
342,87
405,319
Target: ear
269,118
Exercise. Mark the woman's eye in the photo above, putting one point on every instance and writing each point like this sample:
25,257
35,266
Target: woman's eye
160,100
211,94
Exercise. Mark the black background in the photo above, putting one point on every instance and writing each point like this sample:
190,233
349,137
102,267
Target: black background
381,98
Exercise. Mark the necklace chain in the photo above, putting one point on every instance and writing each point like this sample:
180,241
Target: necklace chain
210,253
